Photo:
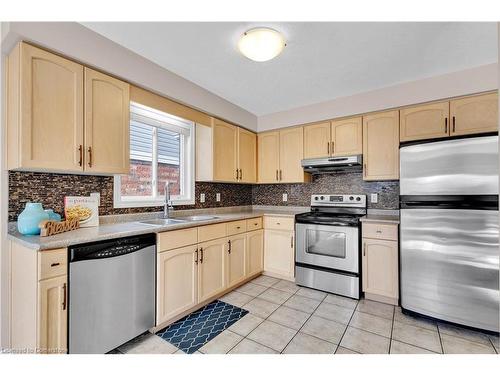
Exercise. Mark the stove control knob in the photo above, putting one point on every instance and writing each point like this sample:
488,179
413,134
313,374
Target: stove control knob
351,198
315,198
322,197
358,199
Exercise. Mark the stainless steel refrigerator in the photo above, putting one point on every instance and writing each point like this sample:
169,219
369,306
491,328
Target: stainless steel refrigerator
449,249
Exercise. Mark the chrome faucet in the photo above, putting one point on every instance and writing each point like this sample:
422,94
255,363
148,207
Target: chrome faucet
168,202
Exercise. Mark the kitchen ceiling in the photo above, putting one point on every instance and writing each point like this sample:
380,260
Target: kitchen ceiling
322,61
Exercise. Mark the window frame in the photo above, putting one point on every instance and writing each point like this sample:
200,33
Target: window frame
158,119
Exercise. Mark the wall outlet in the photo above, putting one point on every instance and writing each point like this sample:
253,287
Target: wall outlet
285,197
374,198
98,196
217,197
202,198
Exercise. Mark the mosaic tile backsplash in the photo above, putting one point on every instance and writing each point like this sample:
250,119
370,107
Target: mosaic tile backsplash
341,183
50,190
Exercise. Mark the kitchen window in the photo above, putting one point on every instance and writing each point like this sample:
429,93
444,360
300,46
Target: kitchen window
161,150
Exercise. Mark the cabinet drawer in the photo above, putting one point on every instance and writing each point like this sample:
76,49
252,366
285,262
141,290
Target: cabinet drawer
254,224
279,223
236,227
52,263
380,231
211,232
177,238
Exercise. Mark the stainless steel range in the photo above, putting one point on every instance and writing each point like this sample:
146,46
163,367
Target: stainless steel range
327,244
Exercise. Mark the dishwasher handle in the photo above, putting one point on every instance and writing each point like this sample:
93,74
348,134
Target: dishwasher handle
110,248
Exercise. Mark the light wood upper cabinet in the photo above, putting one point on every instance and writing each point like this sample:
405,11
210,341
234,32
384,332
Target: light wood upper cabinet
255,252
317,140
53,315
247,156
291,154
269,157
347,137
381,146
48,129
225,151
177,282
424,122
380,267
236,259
211,268
474,114
44,111
107,121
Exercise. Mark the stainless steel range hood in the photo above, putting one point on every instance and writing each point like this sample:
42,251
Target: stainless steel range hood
333,164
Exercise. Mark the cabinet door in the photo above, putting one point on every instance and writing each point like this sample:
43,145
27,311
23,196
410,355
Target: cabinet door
247,155
279,253
380,267
236,259
225,151
269,157
177,282
317,140
424,122
381,146
52,315
291,154
211,268
475,114
255,252
107,122
347,137
51,111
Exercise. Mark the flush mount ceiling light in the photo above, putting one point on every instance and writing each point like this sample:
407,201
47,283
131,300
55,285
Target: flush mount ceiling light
261,44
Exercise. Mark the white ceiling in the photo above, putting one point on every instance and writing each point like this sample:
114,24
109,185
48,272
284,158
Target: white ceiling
322,61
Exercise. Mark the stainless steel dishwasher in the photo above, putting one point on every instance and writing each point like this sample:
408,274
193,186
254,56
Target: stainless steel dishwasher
111,292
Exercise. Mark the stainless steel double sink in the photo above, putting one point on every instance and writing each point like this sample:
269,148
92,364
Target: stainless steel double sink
180,220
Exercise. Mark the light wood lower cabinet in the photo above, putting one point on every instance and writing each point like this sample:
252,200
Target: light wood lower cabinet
53,315
279,253
177,274
236,259
39,300
211,268
380,265
255,252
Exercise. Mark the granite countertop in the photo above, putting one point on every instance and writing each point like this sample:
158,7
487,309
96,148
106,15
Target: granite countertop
114,228
382,219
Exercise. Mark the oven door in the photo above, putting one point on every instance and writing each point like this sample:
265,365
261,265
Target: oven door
334,247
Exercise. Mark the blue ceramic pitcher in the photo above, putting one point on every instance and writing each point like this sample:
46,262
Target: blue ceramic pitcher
28,220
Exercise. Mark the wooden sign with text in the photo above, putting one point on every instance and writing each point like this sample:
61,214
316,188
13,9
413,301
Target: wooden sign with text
51,227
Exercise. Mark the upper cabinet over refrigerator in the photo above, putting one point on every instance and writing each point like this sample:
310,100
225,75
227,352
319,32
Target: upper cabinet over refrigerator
452,167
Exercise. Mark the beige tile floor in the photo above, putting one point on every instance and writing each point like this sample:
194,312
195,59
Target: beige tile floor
285,318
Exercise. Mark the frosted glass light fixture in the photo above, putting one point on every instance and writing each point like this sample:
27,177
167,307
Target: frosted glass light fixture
261,44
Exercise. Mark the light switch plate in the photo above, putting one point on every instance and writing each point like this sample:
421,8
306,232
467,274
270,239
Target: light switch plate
374,198
98,196
217,197
202,198
285,197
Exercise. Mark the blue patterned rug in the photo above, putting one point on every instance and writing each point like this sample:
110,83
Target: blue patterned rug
195,330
